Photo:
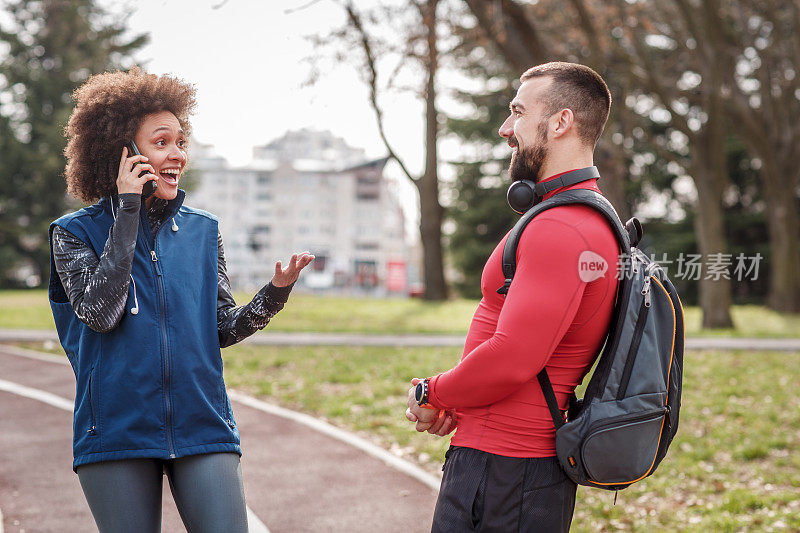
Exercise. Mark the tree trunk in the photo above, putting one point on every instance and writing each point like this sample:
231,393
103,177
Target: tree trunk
784,233
709,171
613,175
506,24
431,235
431,212
715,295
779,175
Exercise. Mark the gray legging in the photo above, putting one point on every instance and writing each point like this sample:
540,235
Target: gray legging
126,495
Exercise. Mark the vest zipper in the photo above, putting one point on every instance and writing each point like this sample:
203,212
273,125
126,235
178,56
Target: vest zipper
164,338
93,424
167,384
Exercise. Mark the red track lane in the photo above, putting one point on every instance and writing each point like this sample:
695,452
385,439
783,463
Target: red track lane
296,479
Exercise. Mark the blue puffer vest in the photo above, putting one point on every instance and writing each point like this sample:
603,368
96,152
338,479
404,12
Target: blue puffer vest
152,386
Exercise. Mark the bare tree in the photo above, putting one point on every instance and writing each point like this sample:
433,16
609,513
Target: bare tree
759,44
630,38
740,59
669,55
419,45
523,43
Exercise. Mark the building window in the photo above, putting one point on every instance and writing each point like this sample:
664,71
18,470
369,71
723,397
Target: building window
319,262
366,274
255,244
368,188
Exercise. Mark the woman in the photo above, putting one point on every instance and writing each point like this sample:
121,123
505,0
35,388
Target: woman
142,304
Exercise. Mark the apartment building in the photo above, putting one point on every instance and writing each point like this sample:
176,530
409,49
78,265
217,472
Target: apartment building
307,190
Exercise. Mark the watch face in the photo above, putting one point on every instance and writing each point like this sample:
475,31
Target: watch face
418,392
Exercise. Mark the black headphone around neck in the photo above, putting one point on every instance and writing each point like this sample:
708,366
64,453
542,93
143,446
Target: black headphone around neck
524,194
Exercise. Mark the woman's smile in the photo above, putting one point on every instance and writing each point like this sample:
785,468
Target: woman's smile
170,176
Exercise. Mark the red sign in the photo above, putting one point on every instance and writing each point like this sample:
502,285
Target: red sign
396,276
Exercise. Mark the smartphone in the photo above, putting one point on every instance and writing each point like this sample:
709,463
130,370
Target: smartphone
150,187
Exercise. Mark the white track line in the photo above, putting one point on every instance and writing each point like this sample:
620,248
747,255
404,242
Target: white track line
30,354
254,523
345,436
340,434
36,394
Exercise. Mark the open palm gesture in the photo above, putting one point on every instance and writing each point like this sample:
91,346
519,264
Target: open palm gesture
289,275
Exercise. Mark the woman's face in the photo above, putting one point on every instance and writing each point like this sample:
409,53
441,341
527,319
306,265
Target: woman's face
161,139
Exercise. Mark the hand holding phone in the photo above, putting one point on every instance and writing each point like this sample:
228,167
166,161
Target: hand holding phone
150,187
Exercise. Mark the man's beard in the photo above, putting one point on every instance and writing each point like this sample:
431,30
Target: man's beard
526,164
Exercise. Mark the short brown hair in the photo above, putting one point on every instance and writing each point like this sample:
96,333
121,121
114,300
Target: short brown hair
580,89
109,109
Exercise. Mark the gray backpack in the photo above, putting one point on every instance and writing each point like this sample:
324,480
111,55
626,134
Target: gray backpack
619,431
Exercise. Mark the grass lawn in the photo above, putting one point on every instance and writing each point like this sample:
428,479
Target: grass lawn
734,466
303,312
30,310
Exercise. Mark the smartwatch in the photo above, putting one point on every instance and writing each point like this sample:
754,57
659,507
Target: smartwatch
421,394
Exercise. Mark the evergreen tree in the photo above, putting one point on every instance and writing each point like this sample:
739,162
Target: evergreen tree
745,228
479,210
47,51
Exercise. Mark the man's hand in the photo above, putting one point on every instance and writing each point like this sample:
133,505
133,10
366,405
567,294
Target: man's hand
444,424
423,417
433,421
284,277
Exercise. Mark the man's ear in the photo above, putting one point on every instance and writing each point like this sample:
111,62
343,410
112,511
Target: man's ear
565,121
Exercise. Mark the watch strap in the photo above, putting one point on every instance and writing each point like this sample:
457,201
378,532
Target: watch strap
422,399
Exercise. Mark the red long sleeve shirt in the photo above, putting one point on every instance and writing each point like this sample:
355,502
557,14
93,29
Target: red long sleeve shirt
553,316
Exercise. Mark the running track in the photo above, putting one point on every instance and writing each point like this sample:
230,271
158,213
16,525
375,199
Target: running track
299,475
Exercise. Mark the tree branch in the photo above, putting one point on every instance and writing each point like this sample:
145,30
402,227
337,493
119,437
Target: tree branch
595,46
519,44
656,85
372,80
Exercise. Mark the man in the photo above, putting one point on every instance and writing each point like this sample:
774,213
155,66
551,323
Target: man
501,473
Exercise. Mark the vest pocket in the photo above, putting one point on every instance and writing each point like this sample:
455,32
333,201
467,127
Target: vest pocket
229,413
226,411
92,417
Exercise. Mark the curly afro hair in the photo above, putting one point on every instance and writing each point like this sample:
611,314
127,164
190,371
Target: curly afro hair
109,109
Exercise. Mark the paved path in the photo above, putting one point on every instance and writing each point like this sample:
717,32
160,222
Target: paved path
355,339
297,478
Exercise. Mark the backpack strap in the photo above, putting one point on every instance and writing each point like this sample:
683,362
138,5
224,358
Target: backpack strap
570,197
575,196
550,398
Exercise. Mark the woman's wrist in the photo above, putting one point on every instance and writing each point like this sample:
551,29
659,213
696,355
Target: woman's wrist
130,201
278,294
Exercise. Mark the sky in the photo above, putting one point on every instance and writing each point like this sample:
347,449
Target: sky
246,59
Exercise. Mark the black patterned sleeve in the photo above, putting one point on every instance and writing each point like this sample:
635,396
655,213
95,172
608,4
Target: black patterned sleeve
237,323
98,287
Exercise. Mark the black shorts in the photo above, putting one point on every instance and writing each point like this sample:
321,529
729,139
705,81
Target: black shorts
486,492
